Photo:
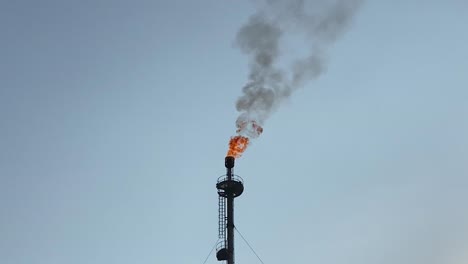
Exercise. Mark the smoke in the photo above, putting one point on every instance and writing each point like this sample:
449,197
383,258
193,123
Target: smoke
320,22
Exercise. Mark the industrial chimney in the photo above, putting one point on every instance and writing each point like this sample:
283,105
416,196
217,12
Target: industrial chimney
229,187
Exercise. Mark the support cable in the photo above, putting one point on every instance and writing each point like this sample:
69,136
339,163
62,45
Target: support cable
248,245
211,251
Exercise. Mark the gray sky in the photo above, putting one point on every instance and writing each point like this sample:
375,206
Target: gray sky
115,118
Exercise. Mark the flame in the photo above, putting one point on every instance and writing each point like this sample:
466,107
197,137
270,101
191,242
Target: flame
247,129
237,146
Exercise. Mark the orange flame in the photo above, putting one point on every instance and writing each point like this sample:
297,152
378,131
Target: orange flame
237,146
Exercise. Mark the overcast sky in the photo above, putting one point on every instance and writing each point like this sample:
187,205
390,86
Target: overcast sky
115,118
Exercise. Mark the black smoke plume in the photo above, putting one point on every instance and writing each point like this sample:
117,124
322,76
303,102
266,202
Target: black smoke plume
320,22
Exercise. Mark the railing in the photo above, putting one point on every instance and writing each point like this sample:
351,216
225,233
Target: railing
233,177
221,244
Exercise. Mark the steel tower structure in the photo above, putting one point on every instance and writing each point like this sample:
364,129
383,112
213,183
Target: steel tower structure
229,187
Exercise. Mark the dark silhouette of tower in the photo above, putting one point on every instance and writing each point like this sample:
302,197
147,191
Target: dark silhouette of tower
229,187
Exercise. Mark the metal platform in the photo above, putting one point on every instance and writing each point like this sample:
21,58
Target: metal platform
233,186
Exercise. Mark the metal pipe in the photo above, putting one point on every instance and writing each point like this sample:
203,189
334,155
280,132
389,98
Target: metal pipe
230,229
229,163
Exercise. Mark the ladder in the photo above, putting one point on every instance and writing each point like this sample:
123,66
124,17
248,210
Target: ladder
222,218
